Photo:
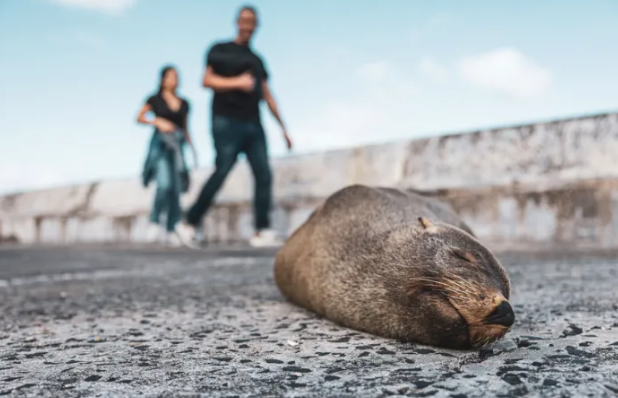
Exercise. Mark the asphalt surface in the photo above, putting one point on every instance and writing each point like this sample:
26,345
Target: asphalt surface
126,322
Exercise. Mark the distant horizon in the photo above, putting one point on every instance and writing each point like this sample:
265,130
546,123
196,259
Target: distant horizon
340,149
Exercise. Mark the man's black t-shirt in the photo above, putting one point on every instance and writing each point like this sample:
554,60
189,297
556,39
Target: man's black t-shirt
229,59
162,110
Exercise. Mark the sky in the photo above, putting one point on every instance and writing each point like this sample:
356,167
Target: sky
74,73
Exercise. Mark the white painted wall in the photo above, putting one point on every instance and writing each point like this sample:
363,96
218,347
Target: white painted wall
540,155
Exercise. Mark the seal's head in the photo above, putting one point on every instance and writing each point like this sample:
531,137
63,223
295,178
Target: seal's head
461,287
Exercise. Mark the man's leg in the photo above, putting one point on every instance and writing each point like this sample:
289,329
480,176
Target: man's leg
257,156
228,140
173,210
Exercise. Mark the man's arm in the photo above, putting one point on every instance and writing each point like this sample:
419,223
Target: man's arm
272,105
220,83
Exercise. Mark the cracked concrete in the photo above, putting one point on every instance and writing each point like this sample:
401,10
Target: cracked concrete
120,322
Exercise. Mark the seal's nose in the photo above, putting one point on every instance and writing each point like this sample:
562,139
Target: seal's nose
502,315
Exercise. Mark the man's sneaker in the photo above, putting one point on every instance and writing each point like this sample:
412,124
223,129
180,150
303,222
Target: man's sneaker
199,236
266,238
186,235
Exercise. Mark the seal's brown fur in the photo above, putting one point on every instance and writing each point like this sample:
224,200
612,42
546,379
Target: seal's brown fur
394,264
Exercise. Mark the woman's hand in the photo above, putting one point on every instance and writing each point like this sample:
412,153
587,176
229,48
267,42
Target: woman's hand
163,125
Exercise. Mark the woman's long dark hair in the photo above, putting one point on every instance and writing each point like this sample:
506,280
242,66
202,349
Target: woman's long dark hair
162,75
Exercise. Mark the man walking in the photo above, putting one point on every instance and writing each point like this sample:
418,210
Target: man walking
239,80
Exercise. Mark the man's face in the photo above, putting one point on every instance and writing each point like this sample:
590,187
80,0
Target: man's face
247,23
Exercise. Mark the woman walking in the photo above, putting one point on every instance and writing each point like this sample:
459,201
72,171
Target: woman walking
165,161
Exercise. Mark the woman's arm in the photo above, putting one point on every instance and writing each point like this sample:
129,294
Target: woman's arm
141,116
163,125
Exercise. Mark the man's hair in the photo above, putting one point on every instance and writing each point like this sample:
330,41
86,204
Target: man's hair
247,8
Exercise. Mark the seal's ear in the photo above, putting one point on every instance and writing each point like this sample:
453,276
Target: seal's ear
425,222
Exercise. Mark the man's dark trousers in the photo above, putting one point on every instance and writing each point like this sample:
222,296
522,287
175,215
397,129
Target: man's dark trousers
231,137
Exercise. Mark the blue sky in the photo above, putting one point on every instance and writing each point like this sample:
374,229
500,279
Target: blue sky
74,73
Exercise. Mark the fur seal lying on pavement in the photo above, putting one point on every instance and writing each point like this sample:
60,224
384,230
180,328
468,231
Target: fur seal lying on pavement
398,265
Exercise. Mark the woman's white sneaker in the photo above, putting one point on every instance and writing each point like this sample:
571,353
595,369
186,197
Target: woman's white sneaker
154,233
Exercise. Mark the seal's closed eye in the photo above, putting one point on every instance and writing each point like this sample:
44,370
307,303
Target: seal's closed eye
464,255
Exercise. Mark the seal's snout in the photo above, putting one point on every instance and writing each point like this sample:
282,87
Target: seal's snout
503,315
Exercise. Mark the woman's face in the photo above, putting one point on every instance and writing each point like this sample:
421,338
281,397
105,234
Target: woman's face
170,81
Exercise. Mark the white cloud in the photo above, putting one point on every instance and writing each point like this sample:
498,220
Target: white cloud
114,7
507,71
391,101
378,112
435,70
383,81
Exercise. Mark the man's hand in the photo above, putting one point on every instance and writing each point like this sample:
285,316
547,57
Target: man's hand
246,82
163,125
288,140
272,105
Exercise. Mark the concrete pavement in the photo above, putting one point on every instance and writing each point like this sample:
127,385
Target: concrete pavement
124,321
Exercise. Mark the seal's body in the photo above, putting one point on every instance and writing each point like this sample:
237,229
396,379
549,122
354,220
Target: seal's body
398,265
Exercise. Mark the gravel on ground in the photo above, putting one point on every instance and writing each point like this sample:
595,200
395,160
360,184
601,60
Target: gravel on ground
125,322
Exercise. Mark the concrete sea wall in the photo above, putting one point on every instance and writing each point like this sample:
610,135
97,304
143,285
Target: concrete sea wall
546,183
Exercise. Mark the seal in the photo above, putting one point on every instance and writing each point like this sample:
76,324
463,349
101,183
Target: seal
398,265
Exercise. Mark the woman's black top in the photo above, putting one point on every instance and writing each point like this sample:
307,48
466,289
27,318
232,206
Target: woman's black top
162,110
